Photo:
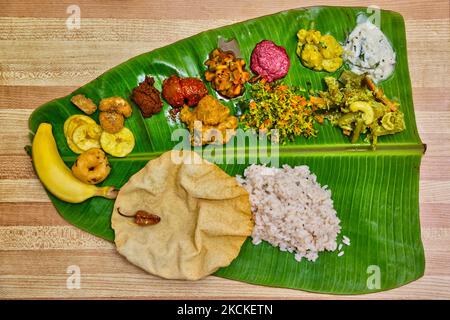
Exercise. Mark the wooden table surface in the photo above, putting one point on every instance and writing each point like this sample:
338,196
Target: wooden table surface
41,60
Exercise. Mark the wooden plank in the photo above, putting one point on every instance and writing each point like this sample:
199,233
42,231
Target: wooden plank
138,285
16,167
215,9
48,238
438,144
433,122
435,168
431,99
432,191
24,190
169,30
435,214
26,61
100,29
31,97
104,273
30,214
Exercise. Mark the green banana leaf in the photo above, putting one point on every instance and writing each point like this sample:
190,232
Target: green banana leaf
375,192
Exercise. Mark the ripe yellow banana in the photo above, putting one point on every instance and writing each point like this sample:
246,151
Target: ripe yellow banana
56,176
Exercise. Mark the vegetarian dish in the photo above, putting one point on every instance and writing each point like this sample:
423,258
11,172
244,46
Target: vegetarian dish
91,166
209,122
356,105
179,216
368,51
280,107
113,112
118,144
84,104
226,73
294,197
56,176
319,52
269,61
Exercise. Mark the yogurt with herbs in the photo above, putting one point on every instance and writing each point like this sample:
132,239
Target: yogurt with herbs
367,50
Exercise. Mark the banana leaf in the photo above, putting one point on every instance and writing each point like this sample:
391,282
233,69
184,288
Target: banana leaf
375,193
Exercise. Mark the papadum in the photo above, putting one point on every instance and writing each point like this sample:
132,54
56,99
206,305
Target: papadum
204,213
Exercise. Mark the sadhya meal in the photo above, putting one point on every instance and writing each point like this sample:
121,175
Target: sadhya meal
254,152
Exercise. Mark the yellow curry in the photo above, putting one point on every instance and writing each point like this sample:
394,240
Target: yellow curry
319,52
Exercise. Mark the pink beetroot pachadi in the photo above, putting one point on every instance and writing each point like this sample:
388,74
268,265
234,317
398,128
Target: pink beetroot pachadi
269,61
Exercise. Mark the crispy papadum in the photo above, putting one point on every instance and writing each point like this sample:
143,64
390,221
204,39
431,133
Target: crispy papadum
205,217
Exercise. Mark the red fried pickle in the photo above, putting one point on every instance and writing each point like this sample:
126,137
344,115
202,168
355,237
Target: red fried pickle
180,91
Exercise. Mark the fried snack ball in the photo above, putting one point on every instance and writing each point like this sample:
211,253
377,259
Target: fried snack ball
91,166
179,91
116,104
111,122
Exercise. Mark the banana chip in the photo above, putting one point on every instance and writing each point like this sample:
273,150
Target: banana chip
72,123
87,136
73,146
117,144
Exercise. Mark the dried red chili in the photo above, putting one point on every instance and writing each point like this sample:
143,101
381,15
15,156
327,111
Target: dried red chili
142,218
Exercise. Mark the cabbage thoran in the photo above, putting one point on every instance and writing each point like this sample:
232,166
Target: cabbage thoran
319,52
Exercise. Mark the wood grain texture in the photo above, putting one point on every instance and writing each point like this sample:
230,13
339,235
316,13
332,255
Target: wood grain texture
41,60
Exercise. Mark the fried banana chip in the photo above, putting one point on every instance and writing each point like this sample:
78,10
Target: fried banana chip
73,146
118,144
87,136
70,125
